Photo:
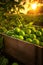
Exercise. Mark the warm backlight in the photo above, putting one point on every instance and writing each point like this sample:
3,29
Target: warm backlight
34,6
31,7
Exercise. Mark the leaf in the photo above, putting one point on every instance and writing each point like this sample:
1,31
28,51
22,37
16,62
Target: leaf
31,23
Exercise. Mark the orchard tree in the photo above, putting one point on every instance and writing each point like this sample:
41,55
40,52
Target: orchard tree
11,5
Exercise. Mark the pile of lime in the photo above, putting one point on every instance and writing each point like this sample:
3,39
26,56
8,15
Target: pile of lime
31,34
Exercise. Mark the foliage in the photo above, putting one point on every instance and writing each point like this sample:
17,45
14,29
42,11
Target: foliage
9,21
3,60
1,42
11,6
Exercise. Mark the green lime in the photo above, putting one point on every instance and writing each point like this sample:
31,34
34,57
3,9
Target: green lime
4,61
22,33
15,63
20,37
9,33
38,33
28,31
36,41
29,40
16,36
13,35
32,36
41,29
16,30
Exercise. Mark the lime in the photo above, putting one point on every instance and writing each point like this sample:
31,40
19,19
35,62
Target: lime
41,29
36,41
29,40
4,61
9,32
20,37
16,30
13,35
32,36
22,33
38,33
16,36
15,64
28,31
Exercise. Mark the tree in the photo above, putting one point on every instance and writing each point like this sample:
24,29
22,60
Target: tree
9,4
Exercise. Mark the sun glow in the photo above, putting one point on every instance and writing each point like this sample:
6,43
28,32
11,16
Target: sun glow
34,6
31,7
26,8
